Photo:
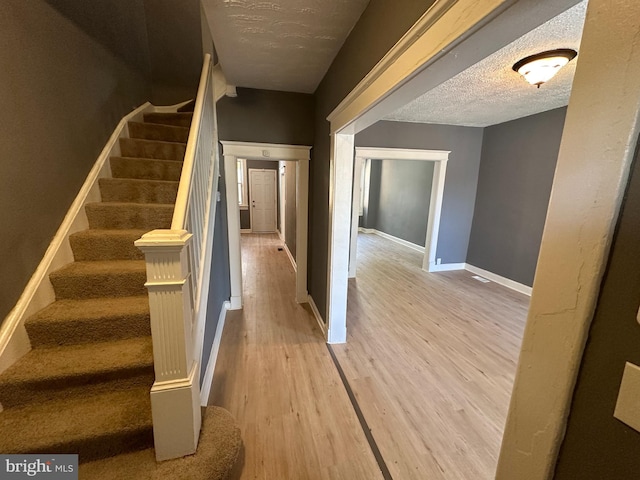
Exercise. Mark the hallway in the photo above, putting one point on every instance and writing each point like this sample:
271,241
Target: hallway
275,375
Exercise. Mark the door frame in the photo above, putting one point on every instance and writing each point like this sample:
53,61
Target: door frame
450,37
275,186
301,154
440,159
282,182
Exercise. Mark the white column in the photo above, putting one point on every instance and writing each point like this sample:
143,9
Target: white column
175,395
355,215
302,226
341,175
233,226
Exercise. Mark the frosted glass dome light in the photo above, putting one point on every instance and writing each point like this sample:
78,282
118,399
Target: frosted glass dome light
540,68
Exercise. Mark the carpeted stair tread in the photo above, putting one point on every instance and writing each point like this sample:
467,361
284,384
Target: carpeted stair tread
114,244
95,426
127,216
219,456
137,190
154,131
180,119
69,322
46,373
108,278
145,168
134,147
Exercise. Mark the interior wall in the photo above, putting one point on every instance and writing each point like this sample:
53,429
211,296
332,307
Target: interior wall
70,71
399,198
514,185
220,283
267,116
596,445
465,144
364,47
290,206
175,47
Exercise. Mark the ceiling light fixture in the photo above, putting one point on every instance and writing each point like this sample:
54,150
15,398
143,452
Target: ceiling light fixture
541,67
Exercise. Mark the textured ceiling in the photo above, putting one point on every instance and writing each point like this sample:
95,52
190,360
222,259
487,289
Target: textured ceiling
280,45
490,92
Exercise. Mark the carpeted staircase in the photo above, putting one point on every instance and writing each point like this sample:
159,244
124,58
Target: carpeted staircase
84,388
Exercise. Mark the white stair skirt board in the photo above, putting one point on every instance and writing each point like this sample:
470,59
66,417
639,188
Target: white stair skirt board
291,257
316,313
505,282
207,382
38,293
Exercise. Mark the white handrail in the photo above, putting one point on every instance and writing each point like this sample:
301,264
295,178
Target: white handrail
178,267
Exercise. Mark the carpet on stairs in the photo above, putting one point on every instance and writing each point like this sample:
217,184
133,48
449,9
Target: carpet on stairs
84,387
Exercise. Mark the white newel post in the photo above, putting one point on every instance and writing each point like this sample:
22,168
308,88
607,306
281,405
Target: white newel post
175,395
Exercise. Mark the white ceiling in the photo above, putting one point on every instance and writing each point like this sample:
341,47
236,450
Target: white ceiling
283,45
490,92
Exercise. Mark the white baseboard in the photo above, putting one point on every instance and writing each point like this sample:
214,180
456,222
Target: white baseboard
505,282
447,267
316,313
38,293
413,246
293,260
245,230
236,303
366,230
207,382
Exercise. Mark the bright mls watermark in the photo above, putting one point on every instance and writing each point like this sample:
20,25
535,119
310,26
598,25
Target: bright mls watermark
50,467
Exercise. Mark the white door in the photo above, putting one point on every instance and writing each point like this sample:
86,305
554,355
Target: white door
262,191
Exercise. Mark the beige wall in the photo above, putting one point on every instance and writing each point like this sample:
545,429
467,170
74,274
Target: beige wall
70,71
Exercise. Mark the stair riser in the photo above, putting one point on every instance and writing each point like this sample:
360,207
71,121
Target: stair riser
49,334
146,169
104,248
130,147
178,120
166,133
105,216
100,446
137,192
17,394
99,285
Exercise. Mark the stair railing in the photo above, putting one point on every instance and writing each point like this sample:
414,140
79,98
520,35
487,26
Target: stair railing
178,268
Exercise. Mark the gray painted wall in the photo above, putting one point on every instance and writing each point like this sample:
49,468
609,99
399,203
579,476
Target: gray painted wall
70,71
220,284
399,198
175,47
516,174
290,207
465,144
596,445
266,116
364,47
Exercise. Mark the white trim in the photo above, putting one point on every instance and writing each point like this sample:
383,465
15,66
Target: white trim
358,179
405,243
447,267
245,184
274,152
246,230
366,230
235,303
39,293
504,281
440,157
318,317
207,381
293,260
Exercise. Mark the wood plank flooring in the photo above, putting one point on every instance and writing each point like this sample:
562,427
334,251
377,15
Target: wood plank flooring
275,375
431,359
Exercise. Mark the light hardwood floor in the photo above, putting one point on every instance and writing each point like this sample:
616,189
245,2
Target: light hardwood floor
431,359
275,375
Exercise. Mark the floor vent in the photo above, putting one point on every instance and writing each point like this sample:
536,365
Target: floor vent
481,279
